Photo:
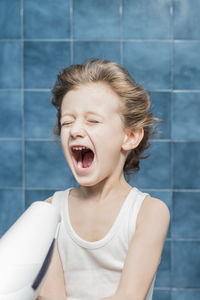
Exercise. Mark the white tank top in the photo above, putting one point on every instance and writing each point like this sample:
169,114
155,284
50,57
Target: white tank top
92,270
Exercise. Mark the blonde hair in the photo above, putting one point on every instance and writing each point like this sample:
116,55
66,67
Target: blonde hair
135,105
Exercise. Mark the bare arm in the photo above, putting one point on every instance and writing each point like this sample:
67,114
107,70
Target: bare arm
144,252
54,285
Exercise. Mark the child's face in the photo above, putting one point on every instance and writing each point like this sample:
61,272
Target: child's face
90,117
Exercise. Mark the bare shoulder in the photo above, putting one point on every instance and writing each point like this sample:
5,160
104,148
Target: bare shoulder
49,199
153,208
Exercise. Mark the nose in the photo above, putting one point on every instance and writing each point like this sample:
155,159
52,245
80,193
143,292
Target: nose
77,129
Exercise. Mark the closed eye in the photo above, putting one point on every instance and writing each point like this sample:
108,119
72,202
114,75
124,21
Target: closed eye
90,121
93,121
66,124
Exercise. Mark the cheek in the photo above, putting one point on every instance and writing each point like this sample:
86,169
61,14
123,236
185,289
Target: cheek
64,139
63,133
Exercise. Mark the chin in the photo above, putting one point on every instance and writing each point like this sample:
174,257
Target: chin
87,182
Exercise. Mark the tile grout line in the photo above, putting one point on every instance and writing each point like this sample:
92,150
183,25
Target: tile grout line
111,40
171,145
22,95
71,34
163,288
121,31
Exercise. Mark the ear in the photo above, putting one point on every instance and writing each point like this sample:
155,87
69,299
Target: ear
132,138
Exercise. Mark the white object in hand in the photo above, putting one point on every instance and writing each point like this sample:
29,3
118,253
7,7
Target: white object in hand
26,250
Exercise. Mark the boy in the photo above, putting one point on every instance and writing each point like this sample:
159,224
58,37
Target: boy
112,235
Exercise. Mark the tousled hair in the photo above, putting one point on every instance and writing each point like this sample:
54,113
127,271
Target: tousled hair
135,101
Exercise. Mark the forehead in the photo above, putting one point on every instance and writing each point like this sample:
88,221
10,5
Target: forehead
93,96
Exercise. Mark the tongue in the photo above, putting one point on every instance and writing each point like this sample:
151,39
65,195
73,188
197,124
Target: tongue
87,159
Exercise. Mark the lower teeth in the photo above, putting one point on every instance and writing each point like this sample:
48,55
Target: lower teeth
80,164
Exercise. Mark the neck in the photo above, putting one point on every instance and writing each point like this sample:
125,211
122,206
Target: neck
104,190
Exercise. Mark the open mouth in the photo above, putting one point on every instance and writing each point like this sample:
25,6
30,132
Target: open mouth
83,157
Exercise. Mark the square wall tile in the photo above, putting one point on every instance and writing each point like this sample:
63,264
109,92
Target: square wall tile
186,112
186,165
11,208
10,19
187,65
39,115
163,276
185,294
46,166
186,19
37,195
10,62
154,170
46,19
161,108
43,61
141,19
186,264
161,294
96,20
186,206
10,163
149,63
11,114
102,50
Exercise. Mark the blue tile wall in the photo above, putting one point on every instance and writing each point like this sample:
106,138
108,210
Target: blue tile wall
163,294
185,294
10,19
159,44
186,165
160,176
46,19
92,20
105,50
186,210
185,257
149,63
11,207
42,61
11,163
141,19
11,114
11,64
39,115
45,165
186,110
186,65
186,19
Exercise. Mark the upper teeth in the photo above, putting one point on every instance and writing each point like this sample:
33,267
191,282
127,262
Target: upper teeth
79,148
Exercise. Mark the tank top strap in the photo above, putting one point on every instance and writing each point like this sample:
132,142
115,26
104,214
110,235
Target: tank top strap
59,199
134,210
